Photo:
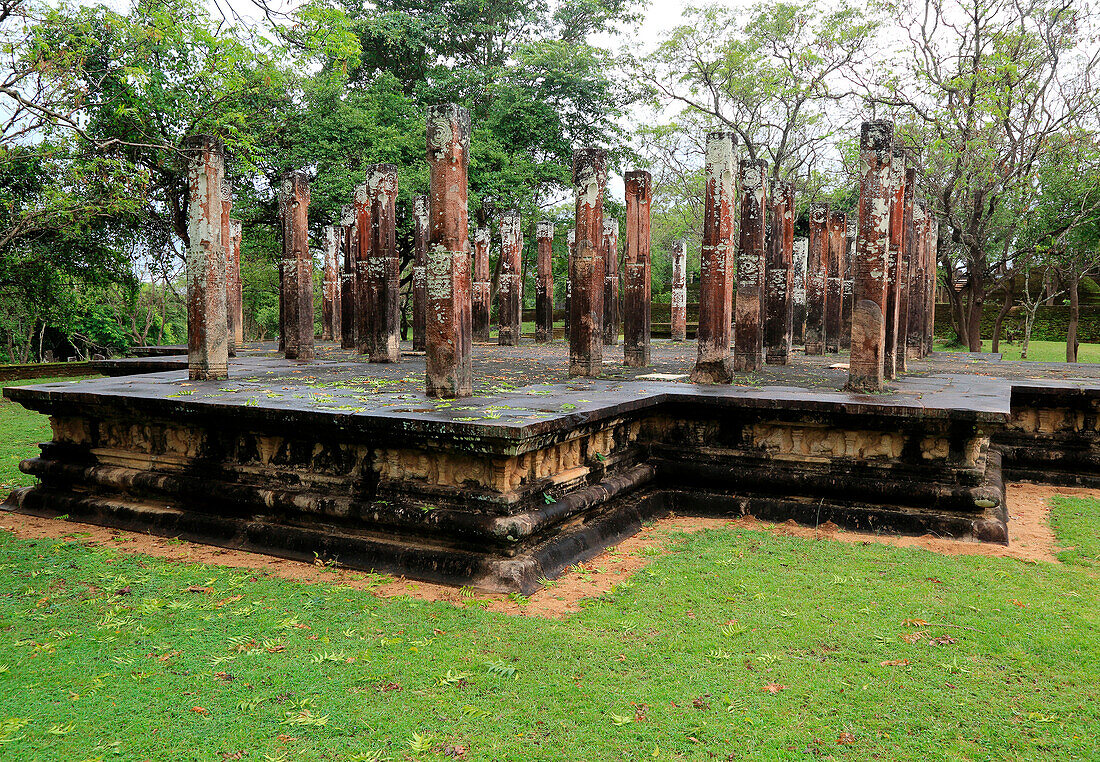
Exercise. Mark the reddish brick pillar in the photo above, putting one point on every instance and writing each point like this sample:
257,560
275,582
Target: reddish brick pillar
330,285
364,298
420,259
894,259
636,327
383,270
849,280
798,291
297,267
917,253
448,323
834,284
509,295
586,271
207,327
234,291
865,372
226,233
778,278
611,313
544,283
714,364
679,292
817,288
349,245
748,353
905,270
571,248
481,287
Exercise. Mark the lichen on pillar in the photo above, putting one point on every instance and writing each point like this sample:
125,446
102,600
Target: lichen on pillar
714,364
297,266
509,298
678,306
234,291
611,314
799,259
481,287
778,278
817,285
894,258
420,258
448,315
349,244
330,283
748,350
207,327
636,325
586,271
834,284
383,269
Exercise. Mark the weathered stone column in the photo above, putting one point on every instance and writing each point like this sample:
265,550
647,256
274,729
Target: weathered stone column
544,283
611,313
297,266
330,285
918,251
364,296
349,245
798,291
865,372
714,364
226,195
282,303
849,280
905,268
482,291
448,323
636,325
586,271
834,285
893,261
571,248
679,304
207,328
384,274
778,278
817,286
509,306
748,352
420,259
234,288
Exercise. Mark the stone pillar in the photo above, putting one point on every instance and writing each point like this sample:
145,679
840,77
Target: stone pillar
894,258
297,267
509,304
636,326
420,258
234,289
611,314
544,283
748,353
349,245
817,288
714,364
798,291
448,320
330,285
586,271
834,285
917,273
481,293
905,270
849,280
571,248
282,305
383,270
778,278
679,304
865,372
207,327
364,298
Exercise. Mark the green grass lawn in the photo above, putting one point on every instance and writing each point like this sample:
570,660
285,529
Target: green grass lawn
731,644
1038,351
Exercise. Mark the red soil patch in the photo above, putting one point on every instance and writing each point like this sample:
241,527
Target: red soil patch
1030,538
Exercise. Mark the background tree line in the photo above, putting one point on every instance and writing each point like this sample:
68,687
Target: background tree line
995,99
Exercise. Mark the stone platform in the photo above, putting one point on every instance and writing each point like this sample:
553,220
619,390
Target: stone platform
348,460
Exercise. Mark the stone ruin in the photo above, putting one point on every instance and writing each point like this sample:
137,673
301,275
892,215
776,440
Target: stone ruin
519,482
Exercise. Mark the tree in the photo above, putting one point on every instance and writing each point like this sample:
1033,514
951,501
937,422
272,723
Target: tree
983,89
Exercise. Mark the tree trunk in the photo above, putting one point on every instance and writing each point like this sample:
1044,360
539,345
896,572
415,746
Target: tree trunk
1074,316
1005,307
975,305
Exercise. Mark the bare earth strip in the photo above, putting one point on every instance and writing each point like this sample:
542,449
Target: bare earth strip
1030,539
